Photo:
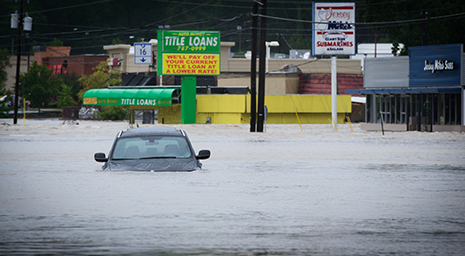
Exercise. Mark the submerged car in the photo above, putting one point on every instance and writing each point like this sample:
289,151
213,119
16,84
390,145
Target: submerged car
153,149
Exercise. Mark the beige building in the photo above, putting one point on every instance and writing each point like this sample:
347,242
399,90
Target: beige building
283,102
283,76
11,71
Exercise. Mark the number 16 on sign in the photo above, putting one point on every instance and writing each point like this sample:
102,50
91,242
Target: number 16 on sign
143,53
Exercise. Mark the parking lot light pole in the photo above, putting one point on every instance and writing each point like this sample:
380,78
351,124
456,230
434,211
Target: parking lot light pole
268,45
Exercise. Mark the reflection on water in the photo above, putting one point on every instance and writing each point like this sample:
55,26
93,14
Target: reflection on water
283,192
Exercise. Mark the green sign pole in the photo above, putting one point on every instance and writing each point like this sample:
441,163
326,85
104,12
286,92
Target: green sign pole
189,97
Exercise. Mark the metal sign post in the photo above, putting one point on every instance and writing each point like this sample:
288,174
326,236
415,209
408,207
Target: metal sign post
333,35
334,90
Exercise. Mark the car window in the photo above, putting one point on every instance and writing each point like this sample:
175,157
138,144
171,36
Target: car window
151,147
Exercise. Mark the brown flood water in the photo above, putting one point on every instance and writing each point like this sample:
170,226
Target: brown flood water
283,192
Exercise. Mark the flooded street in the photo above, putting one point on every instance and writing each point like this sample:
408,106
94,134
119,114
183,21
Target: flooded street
283,192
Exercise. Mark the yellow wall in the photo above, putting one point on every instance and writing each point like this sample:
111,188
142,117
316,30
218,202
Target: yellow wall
282,109
169,115
222,109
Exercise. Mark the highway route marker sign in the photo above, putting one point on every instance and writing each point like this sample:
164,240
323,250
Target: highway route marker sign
143,53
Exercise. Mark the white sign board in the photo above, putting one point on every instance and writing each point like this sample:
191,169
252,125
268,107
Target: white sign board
143,53
333,29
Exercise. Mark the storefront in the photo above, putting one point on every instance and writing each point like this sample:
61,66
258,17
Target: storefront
222,105
143,102
424,92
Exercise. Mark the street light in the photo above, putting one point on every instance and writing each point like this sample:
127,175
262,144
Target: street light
268,45
239,28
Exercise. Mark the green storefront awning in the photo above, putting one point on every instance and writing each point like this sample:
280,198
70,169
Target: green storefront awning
160,97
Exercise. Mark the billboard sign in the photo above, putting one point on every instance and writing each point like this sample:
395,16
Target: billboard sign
188,53
333,29
436,65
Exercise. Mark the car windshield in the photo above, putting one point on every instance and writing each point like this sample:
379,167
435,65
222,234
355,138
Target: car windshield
147,147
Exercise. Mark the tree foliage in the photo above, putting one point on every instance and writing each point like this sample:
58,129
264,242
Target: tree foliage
65,97
55,42
101,78
87,25
71,80
114,113
426,22
104,77
38,85
4,64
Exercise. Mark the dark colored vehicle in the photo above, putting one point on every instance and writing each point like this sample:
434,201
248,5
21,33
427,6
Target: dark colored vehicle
154,149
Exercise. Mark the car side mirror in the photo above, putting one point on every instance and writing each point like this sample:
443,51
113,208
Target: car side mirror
100,157
203,154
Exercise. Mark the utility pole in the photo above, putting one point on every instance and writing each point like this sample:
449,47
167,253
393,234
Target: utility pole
253,71
18,64
261,70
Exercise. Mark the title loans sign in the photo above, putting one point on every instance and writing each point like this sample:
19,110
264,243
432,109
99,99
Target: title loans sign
333,29
188,53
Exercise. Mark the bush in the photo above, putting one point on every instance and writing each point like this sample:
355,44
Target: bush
65,98
114,113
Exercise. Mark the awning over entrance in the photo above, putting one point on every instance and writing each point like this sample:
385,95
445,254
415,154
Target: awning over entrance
132,97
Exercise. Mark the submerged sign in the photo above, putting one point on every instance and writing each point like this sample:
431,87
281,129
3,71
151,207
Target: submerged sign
188,53
333,29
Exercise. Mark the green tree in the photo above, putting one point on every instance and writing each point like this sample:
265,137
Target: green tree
55,42
4,63
65,97
114,113
117,41
416,23
38,85
104,77
71,80
101,78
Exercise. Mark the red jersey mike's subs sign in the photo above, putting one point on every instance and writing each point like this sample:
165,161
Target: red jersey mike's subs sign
333,29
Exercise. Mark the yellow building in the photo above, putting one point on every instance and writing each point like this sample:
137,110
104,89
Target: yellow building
282,109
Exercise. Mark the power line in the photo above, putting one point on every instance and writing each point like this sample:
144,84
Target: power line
159,22
63,8
456,15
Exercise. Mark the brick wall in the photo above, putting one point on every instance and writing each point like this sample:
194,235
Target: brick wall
80,65
321,83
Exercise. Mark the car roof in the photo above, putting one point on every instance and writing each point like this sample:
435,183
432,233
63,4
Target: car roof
145,131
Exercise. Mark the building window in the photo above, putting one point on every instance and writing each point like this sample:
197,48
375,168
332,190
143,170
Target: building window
415,109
